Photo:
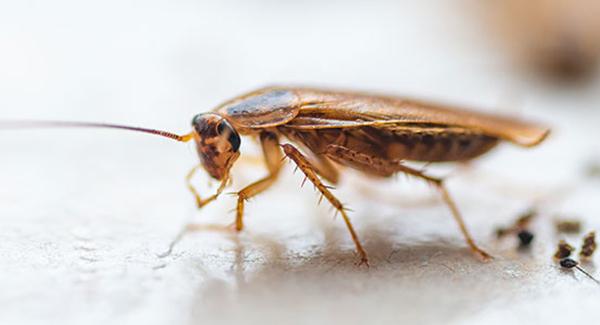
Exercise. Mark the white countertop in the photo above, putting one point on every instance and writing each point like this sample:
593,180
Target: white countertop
83,215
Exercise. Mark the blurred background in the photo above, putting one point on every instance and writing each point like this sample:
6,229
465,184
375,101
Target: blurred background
83,214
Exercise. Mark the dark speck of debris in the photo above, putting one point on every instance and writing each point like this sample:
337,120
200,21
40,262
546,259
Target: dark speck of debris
525,238
519,225
568,263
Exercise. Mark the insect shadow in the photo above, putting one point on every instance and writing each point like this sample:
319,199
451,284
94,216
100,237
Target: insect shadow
264,273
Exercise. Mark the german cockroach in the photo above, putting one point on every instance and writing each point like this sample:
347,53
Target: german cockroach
328,129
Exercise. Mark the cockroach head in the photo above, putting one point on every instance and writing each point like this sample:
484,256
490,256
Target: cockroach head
217,143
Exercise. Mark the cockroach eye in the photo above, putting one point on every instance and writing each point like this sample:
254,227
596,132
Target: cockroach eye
221,128
234,139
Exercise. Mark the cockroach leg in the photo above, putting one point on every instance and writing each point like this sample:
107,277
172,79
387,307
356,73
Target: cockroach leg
308,170
321,164
272,155
439,183
386,167
200,202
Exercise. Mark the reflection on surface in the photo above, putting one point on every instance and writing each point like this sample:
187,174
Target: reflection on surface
320,282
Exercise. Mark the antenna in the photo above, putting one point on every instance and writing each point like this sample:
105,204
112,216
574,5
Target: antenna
24,124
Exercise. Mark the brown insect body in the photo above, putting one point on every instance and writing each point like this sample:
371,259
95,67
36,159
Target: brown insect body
378,127
371,133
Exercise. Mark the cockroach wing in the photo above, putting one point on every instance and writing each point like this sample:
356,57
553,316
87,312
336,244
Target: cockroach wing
263,108
327,109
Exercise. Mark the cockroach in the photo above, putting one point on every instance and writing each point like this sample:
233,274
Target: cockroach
326,130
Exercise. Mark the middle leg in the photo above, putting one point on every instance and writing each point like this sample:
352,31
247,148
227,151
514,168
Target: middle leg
273,157
201,202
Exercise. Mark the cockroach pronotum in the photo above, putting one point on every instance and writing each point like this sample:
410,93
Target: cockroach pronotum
326,130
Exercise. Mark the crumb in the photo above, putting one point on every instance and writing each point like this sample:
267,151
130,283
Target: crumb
571,226
519,225
589,246
564,250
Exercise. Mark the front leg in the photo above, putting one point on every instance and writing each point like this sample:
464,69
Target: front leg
200,202
308,170
273,156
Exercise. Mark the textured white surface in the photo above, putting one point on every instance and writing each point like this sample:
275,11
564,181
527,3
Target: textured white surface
83,215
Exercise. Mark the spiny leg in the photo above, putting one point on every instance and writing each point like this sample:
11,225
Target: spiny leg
322,165
387,167
310,173
200,202
272,155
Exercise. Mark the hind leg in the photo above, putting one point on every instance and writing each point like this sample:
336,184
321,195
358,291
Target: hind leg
387,167
306,167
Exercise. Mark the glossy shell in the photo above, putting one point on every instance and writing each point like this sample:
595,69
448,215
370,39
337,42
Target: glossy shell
306,108
335,109
264,108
